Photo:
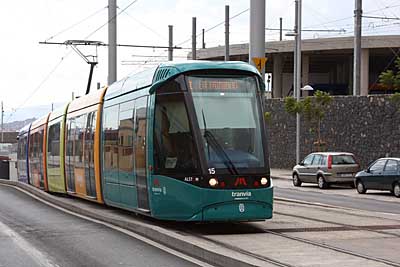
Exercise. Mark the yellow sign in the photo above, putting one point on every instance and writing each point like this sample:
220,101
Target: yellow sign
259,62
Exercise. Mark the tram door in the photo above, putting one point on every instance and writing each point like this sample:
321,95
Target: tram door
140,152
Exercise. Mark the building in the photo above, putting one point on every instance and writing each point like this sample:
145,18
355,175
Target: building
327,64
9,137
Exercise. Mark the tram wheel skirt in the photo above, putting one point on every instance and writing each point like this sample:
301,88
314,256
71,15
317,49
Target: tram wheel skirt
238,211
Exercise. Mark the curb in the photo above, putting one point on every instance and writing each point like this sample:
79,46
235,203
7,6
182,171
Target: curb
204,250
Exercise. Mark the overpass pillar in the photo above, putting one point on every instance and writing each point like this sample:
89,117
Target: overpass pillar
277,90
364,83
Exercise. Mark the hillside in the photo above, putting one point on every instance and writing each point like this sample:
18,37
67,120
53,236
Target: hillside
17,125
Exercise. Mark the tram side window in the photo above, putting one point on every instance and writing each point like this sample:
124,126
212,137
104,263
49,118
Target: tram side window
23,155
125,134
89,154
79,132
40,154
30,154
69,155
49,146
174,146
53,148
140,135
110,150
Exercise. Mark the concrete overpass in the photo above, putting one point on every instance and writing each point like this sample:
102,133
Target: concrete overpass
327,64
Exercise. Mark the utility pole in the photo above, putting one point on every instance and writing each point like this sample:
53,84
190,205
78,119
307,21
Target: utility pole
226,33
194,38
357,47
280,29
112,41
2,126
257,35
170,43
297,72
202,40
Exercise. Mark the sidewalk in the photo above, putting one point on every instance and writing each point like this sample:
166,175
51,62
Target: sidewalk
281,174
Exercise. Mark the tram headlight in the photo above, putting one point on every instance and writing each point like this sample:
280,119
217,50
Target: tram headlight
264,181
213,182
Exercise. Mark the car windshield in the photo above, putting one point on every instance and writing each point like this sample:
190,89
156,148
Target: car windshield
343,159
228,114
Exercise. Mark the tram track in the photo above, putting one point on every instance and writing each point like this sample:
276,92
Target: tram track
246,252
334,248
344,226
277,262
341,227
196,230
337,227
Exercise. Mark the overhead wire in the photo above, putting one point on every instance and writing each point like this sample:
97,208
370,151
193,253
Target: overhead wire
209,29
144,25
76,24
66,55
108,21
38,87
350,17
215,26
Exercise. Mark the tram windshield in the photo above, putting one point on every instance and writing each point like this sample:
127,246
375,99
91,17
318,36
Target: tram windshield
228,113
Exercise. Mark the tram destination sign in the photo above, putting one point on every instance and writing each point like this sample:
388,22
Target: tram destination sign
220,84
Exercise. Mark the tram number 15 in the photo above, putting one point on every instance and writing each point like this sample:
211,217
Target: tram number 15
211,170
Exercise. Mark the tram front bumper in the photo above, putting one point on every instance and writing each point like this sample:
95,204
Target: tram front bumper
238,211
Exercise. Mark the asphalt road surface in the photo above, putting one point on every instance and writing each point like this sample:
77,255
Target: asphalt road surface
378,201
34,234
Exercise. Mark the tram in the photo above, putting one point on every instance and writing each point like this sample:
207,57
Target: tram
182,141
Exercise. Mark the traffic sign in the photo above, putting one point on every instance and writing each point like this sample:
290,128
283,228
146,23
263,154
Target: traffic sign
259,62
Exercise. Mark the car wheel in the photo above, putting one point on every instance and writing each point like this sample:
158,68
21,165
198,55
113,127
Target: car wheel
296,180
361,188
322,184
396,190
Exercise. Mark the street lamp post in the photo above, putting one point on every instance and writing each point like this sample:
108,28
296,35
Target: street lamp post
297,70
298,73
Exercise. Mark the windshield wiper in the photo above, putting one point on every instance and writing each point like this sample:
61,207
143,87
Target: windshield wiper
211,140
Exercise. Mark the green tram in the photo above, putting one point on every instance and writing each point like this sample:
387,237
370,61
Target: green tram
183,141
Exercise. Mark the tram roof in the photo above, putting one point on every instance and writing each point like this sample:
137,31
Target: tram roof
58,112
24,130
39,122
165,71
85,101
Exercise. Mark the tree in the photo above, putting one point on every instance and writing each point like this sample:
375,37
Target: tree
391,78
313,110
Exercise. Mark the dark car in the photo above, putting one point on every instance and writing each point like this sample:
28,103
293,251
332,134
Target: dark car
382,174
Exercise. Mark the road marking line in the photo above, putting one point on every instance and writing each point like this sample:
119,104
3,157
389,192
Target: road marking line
39,257
119,229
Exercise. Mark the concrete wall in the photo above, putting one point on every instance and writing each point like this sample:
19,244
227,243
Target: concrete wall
13,167
368,126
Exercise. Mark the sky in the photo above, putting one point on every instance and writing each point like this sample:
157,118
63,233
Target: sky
34,74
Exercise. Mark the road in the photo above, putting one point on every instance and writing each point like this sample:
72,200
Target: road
34,234
378,201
